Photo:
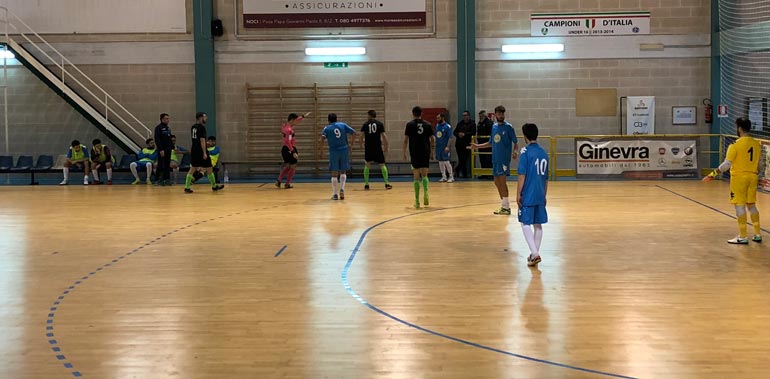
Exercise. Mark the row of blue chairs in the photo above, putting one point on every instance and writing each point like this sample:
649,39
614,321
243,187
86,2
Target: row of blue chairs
45,163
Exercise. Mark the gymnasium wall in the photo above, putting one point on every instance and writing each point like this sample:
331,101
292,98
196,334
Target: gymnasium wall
420,71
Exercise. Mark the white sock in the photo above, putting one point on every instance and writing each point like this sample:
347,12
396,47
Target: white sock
529,236
85,177
149,170
66,173
176,174
538,237
505,203
96,175
442,165
109,174
448,165
334,186
343,180
133,170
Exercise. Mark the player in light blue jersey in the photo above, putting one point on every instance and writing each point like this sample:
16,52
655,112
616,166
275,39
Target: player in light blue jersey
444,138
339,137
531,190
501,139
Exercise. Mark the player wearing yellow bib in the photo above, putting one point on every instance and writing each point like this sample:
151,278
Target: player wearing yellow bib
743,161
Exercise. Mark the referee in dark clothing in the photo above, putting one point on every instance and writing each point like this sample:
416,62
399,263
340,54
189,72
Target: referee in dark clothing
164,146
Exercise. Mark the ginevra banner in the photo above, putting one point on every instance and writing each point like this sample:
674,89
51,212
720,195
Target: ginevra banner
640,115
332,13
604,158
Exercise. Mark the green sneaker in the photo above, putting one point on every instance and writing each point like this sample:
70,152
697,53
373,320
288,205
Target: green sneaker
136,181
757,238
503,211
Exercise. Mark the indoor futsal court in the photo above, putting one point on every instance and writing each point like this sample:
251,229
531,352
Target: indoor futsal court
636,282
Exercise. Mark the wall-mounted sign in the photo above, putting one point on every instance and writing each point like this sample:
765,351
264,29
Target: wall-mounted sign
332,13
590,24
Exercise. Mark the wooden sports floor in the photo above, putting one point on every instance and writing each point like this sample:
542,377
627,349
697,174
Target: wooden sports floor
146,282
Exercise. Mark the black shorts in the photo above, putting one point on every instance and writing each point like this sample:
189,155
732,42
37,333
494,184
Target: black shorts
374,155
196,159
288,156
421,160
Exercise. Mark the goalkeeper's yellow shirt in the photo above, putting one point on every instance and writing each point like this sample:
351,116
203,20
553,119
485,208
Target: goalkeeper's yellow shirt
744,155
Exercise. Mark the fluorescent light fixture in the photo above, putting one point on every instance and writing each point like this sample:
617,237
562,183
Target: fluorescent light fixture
7,54
332,51
534,48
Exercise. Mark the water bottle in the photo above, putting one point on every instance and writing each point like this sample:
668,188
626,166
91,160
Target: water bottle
227,178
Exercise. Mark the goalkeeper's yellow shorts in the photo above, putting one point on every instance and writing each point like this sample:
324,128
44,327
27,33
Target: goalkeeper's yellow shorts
743,189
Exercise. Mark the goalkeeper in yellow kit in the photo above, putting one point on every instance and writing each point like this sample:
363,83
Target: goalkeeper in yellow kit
742,160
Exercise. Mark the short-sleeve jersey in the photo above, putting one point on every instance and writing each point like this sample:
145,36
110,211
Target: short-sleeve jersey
744,155
533,163
372,135
337,135
419,133
502,139
197,132
443,134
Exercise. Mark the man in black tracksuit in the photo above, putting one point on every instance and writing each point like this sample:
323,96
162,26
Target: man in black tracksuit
464,131
484,128
164,146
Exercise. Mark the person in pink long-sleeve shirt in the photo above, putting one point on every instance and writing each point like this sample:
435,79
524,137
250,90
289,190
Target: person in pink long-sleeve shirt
289,150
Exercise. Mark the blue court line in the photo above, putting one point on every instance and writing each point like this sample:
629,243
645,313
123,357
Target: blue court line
363,301
705,205
280,251
50,336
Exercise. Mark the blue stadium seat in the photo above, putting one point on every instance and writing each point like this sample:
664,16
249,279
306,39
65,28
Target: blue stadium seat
6,162
126,161
23,164
44,163
184,165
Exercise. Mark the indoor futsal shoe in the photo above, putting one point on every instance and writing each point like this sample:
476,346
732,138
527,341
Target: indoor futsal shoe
503,211
335,197
277,184
757,238
342,194
738,241
425,201
187,190
388,186
288,186
533,261
218,187
366,187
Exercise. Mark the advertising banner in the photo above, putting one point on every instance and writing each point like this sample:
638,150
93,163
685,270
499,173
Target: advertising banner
589,24
605,158
640,112
332,13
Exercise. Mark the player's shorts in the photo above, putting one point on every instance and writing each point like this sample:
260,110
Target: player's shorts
374,155
196,160
442,155
421,160
339,160
743,189
287,155
501,168
533,215
94,163
175,162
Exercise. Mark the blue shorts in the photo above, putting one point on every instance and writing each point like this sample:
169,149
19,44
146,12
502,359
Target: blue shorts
442,155
339,160
533,215
501,169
